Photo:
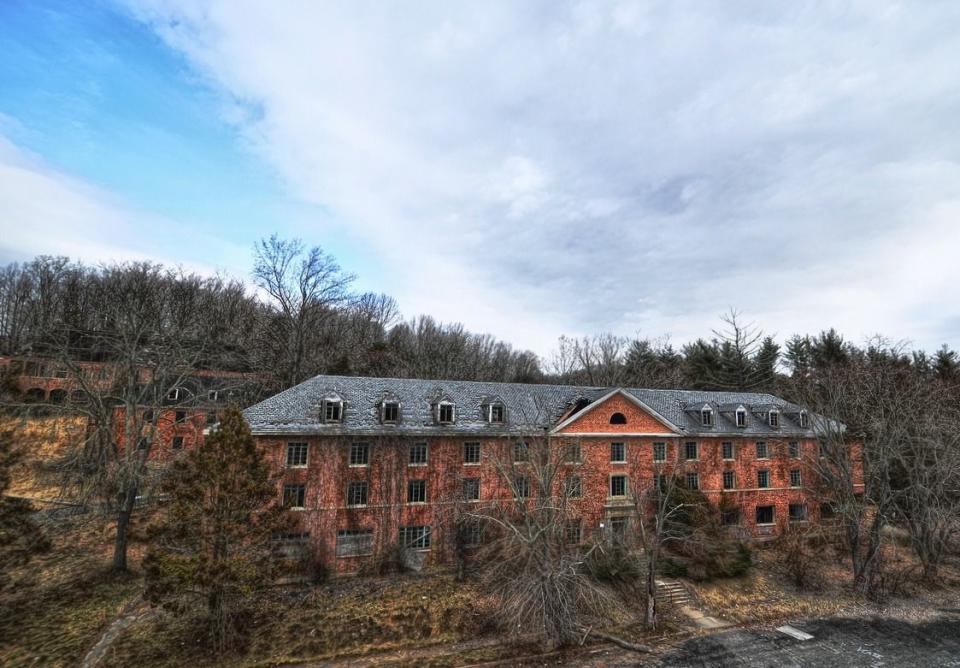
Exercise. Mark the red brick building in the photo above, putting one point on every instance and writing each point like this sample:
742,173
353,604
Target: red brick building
368,462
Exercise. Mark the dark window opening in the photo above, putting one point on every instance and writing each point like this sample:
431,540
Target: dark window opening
618,418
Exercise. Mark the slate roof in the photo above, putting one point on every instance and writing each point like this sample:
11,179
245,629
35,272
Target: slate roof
530,409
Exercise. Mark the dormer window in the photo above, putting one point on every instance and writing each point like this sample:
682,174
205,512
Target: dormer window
174,394
445,412
496,414
741,417
804,422
332,410
390,412
774,418
706,417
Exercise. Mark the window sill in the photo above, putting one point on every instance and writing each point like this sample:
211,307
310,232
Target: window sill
766,524
618,462
729,459
418,465
354,556
471,463
359,466
416,503
357,505
298,509
296,466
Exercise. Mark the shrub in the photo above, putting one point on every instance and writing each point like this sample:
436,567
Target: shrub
614,563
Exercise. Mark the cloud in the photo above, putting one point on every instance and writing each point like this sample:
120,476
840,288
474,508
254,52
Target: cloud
47,212
538,168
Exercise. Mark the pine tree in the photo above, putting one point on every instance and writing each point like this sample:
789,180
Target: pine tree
212,549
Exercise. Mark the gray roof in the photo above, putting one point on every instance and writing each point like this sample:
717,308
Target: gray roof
529,408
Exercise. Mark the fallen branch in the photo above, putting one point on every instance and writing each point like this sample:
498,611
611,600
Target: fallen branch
620,642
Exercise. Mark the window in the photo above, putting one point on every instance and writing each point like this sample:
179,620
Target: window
177,443
764,514
471,453
354,542
357,493
522,486
293,545
296,454
729,480
741,417
445,412
415,538
774,417
472,532
693,481
794,448
213,395
359,454
417,491
148,416
496,413
823,450
390,412
730,518
727,450
706,417
572,453
659,452
660,482
762,452
618,485
798,512
332,410
294,496
418,454
574,487
795,478
471,489
211,418
521,452
180,416
618,453
174,394
618,418
690,450
763,479
804,420
827,511
574,532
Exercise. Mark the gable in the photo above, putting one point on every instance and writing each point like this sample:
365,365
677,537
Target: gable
601,417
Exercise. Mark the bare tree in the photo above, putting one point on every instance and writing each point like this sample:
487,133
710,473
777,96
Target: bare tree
304,286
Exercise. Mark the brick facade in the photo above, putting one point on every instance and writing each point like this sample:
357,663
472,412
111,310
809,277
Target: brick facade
328,473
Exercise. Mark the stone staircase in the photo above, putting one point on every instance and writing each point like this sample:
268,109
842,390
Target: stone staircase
673,592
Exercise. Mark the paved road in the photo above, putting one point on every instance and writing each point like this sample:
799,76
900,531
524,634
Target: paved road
843,643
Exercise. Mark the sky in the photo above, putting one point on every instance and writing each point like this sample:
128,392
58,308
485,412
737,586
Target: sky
530,169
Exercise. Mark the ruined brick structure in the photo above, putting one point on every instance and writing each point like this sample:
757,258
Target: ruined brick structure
369,462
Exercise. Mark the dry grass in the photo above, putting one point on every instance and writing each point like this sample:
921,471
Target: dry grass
43,439
60,603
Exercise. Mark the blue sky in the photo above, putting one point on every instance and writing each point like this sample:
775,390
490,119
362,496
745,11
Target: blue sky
529,169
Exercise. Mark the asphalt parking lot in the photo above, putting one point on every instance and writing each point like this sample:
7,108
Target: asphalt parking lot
843,643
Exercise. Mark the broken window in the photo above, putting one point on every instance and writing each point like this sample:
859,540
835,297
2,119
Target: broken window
357,493
354,542
415,538
765,515
294,496
417,491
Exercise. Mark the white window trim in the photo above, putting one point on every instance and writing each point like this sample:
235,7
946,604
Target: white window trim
706,417
453,412
503,413
426,449
733,452
383,412
297,466
618,461
327,402
771,416
740,411
626,486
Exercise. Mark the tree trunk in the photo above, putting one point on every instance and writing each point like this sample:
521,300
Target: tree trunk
650,616
123,530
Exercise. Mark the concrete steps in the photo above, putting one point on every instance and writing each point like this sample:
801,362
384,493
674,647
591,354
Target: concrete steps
673,592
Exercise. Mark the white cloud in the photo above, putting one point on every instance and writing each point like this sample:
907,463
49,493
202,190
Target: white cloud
538,168
47,212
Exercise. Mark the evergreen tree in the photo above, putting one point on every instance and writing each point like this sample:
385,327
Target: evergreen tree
765,365
212,550
20,537
945,364
829,349
798,356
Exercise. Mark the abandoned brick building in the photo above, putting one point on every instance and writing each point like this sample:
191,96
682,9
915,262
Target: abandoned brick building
372,462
